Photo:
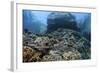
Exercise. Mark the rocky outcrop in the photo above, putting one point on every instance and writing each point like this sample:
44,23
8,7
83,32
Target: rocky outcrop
61,20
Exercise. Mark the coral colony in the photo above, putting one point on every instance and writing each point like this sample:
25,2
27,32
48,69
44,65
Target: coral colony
56,36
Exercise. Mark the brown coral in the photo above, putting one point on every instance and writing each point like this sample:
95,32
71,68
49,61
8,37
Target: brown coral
30,55
36,57
27,53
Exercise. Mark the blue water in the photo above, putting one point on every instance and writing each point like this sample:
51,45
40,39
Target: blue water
36,21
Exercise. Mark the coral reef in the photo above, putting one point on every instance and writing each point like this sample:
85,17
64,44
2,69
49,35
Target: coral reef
61,44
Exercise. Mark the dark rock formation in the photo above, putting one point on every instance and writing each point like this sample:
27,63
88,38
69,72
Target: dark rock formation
61,20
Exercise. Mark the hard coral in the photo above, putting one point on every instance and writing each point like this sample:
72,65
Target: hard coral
52,58
71,55
30,55
27,53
